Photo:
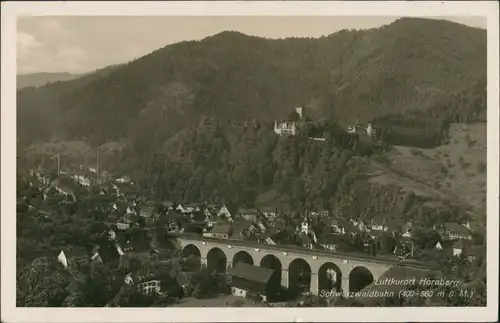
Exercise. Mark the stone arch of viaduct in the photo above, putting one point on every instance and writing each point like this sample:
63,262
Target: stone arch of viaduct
345,267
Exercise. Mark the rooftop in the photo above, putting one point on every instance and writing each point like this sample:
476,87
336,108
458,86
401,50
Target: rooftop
168,203
251,272
461,244
224,228
147,209
456,228
247,211
142,275
446,243
198,216
267,209
75,252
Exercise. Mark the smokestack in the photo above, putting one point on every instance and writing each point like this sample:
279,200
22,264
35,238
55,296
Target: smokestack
97,164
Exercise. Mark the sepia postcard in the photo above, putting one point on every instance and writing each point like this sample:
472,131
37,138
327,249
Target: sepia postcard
250,161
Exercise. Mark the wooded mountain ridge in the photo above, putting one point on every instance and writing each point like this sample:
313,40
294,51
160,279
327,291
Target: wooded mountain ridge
193,120
412,64
39,79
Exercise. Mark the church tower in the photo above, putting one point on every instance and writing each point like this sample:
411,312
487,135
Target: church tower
306,225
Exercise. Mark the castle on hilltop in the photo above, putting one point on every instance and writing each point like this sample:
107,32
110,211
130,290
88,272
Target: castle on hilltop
289,127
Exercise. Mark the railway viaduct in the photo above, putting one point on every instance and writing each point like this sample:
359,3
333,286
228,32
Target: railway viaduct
351,272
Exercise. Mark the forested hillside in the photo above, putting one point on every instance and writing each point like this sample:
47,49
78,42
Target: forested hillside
193,121
430,128
245,164
38,79
412,64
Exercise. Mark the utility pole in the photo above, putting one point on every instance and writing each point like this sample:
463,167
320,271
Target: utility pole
97,166
58,164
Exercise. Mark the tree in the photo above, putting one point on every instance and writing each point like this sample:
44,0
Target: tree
42,283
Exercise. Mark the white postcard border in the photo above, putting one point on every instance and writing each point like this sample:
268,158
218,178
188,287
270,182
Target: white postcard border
11,10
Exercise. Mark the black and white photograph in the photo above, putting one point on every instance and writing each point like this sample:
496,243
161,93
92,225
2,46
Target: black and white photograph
274,162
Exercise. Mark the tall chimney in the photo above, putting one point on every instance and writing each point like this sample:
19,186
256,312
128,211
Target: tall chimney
97,163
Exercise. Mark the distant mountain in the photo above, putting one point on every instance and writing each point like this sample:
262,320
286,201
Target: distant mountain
412,64
39,79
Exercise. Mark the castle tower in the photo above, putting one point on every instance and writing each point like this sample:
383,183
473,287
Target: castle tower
300,112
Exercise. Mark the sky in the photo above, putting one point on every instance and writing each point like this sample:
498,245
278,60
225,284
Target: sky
79,44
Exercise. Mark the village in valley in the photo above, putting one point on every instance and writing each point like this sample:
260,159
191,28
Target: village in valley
135,237
224,167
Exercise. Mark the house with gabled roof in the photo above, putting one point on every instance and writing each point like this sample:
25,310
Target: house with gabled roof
329,239
199,217
82,180
348,227
211,217
272,237
454,231
475,252
445,246
461,247
406,230
95,257
251,229
57,189
44,179
136,247
147,211
171,220
378,224
247,280
308,240
376,234
123,179
73,257
145,281
336,227
169,205
269,212
127,221
248,214
226,213
360,225
320,214
109,251
240,229
404,245
188,208
191,227
221,231
136,241
263,225
220,211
